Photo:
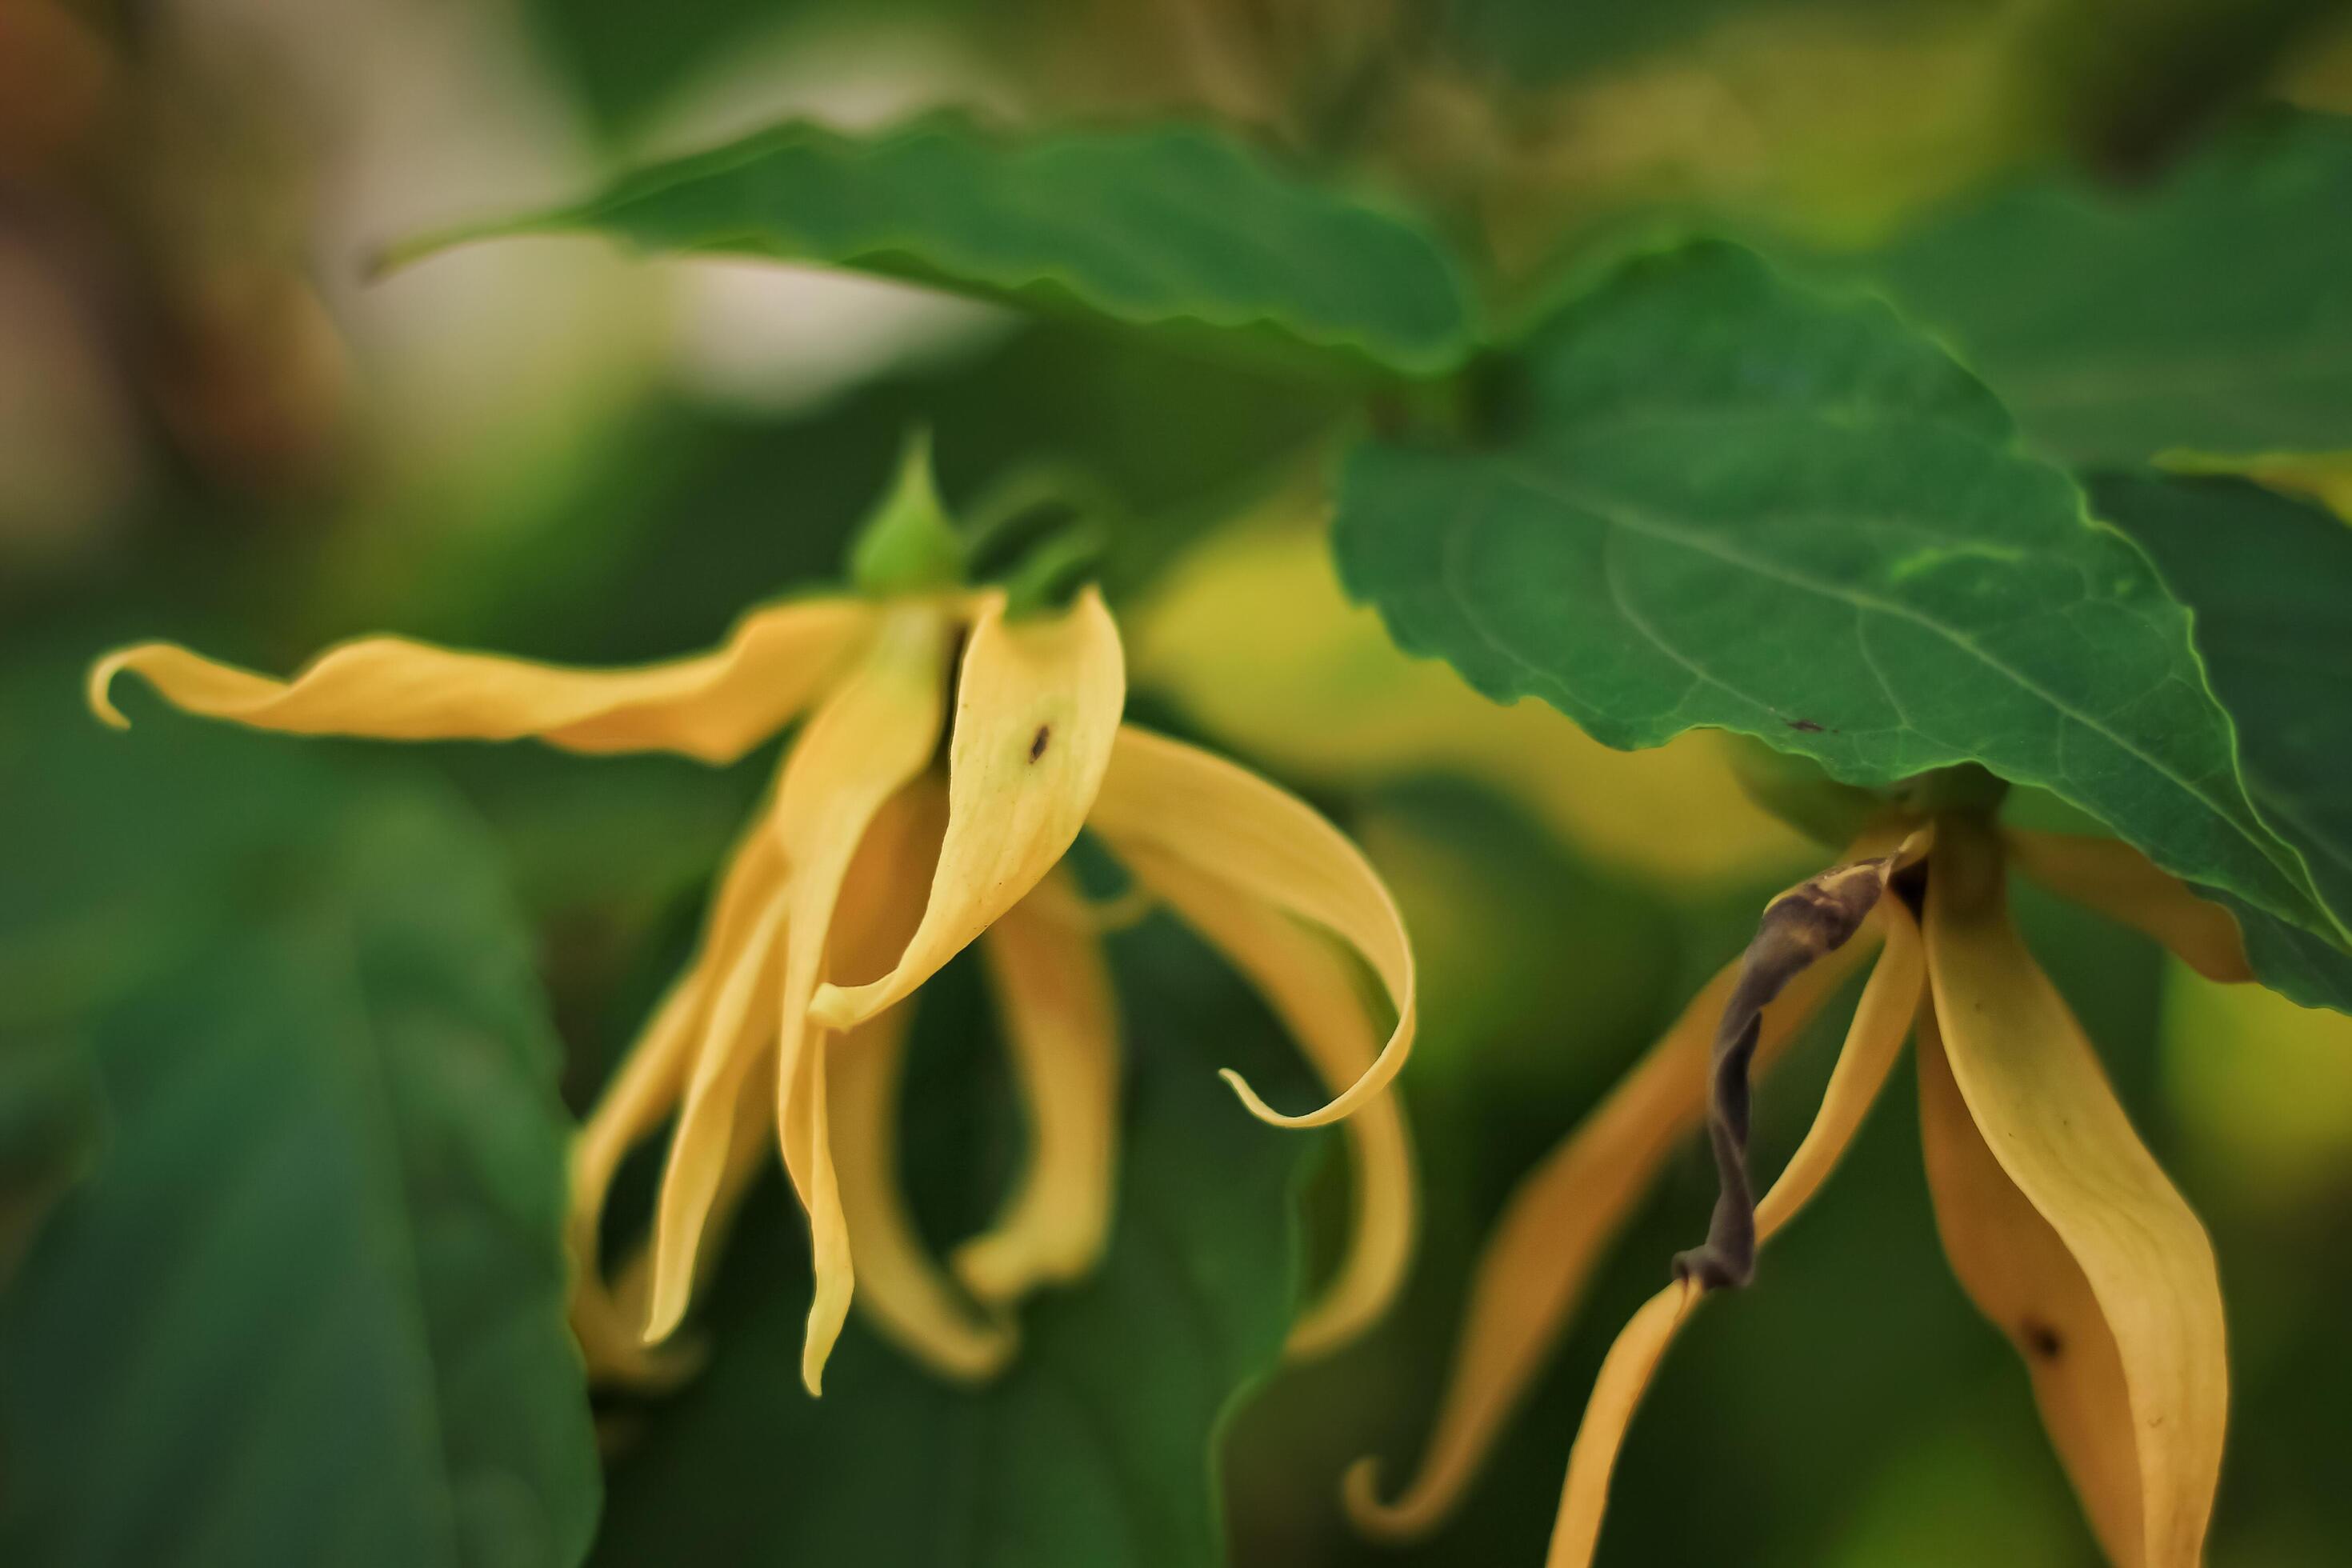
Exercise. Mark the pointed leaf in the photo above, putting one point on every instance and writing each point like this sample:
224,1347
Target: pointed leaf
308,1307
2208,313
2270,581
1732,502
1178,227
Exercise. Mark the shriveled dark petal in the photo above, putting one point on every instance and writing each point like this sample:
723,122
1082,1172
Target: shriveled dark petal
1798,928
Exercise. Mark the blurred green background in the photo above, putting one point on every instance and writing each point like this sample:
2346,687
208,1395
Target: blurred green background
238,1169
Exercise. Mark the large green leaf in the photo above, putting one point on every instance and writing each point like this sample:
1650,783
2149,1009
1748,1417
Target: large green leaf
2270,581
1177,227
2210,313
1094,1447
307,1306
1731,502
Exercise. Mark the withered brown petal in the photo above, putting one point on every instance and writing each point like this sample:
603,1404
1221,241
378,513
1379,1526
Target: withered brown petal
1815,918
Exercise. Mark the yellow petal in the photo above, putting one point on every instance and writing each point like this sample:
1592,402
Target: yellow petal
617,1353
1880,1021
716,706
1543,1248
2063,1227
1625,1372
1311,989
1061,1026
1249,632
2119,882
879,904
899,1289
864,747
875,731
640,1096
739,1024
651,1080
1037,704
1163,799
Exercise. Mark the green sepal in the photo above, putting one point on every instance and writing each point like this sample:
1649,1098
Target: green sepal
907,545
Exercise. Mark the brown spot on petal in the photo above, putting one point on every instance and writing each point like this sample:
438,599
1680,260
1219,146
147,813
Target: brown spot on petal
1037,742
2041,1341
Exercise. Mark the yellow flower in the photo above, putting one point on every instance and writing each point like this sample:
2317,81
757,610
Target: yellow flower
2057,1220
863,874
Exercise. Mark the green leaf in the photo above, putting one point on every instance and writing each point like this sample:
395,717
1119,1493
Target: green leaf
2270,581
1094,1448
2209,313
1731,502
308,1307
52,1120
1178,227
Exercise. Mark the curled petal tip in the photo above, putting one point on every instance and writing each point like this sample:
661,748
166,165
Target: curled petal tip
97,691
1251,1102
1257,1107
984,1270
1359,1495
834,1008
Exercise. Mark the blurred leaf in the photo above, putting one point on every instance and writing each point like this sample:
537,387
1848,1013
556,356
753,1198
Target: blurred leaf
308,1307
1955,1494
51,1121
123,850
2262,1089
1543,41
1731,502
2270,581
627,60
1181,228
2208,313
1094,1447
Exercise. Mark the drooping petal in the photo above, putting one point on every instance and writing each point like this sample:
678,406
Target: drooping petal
875,732
1163,799
2018,1271
1880,1021
899,1287
1543,1248
879,902
644,1091
2066,1232
1307,983
2119,882
617,1353
1037,702
715,706
866,744
1061,1025
739,1024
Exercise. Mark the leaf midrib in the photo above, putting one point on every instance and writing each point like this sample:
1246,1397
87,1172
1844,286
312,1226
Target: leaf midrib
389,1170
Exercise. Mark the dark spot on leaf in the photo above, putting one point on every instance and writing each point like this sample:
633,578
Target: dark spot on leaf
1807,725
1037,742
2041,1341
